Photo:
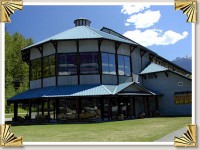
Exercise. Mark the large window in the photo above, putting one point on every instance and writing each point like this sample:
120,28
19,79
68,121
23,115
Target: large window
108,63
49,66
35,69
67,64
89,63
124,65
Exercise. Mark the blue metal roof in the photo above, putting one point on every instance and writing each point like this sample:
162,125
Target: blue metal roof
82,32
151,68
78,90
81,90
63,91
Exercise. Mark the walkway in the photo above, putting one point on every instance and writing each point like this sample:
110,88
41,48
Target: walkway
170,137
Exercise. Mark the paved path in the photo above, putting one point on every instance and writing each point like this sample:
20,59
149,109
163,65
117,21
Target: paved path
170,137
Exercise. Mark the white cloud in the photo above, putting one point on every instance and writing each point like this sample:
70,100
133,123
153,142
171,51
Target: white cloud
144,20
127,24
152,37
131,9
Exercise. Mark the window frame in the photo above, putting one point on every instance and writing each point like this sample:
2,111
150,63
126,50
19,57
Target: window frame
77,65
109,63
124,65
97,63
30,73
55,73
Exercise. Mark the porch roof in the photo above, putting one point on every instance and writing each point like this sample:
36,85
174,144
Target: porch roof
82,90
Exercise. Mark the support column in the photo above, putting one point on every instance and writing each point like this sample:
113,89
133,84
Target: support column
157,106
30,106
38,105
119,106
57,108
134,110
102,108
42,107
54,109
78,108
144,104
15,111
128,110
109,109
148,106
48,104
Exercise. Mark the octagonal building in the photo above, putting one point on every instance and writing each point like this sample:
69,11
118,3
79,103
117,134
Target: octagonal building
87,74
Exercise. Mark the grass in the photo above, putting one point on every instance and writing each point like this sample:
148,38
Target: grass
140,130
11,115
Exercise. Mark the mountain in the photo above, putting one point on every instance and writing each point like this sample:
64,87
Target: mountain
184,62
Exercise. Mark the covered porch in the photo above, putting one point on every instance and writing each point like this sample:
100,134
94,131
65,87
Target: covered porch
86,103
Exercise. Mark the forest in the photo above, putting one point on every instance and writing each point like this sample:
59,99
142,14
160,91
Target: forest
16,71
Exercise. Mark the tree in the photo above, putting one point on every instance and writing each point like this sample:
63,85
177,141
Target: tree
16,71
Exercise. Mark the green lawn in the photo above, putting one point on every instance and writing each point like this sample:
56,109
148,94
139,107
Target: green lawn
12,115
139,130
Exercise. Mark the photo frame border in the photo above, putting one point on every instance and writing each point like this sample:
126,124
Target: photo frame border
2,58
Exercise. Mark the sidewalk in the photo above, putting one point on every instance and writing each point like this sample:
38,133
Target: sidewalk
170,137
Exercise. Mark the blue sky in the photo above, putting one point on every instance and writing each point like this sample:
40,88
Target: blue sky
160,28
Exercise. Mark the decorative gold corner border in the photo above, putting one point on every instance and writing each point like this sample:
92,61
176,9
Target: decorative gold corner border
7,7
7,138
189,139
189,7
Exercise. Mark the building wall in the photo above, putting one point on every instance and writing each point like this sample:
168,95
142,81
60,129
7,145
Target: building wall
132,88
35,84
88,45
67,80
109,79
51,81
124,49
84,46
34,53
89,79
168,86
48,49
123,79
136,64
108,46
66,47
145,60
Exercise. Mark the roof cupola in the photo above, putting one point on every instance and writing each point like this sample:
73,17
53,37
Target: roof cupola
82,22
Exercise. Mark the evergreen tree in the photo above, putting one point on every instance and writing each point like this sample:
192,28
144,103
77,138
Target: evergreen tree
16,71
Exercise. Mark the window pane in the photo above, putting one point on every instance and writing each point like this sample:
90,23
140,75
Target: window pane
127,65
105,68
62,64
112,67
35,69
52,65
120,65
72,64
49,66
67,64
89,63
46,66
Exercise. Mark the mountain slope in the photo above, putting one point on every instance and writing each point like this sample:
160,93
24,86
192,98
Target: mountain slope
184,62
